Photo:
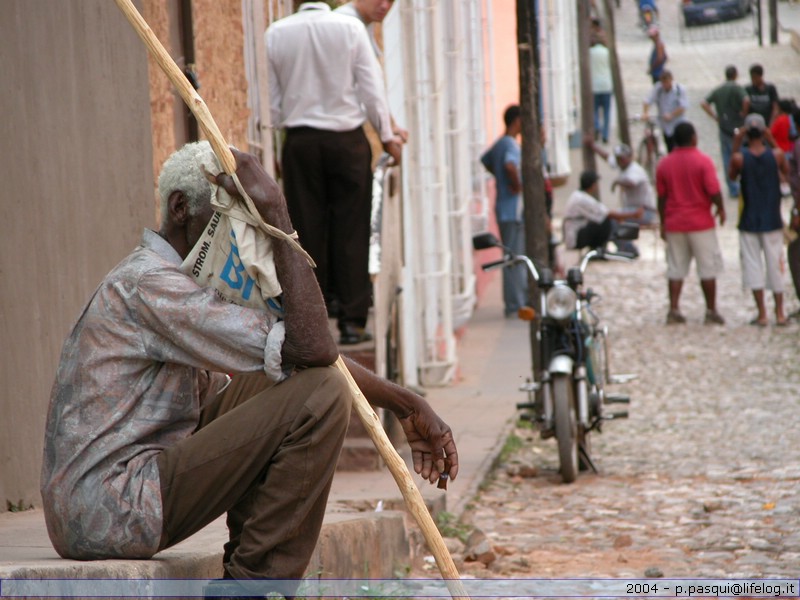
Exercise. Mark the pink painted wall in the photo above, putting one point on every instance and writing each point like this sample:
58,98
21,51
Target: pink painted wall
506,68
506,87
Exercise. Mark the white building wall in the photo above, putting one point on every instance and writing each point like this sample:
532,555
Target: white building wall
437,90
559,80
460,158
427,302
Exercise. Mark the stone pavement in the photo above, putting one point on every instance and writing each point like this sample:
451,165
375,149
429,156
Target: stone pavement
789,21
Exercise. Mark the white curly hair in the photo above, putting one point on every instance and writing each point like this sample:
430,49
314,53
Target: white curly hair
182,171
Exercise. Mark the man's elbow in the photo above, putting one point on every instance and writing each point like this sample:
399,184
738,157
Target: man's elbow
317,353
327,356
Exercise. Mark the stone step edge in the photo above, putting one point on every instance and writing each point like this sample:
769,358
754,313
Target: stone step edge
351,545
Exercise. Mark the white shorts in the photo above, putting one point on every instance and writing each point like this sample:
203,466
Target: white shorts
703,246
754,246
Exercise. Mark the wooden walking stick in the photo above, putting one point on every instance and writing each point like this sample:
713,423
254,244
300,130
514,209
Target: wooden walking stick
411,495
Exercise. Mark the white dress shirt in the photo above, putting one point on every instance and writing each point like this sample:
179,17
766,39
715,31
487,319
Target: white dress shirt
350,10
324,74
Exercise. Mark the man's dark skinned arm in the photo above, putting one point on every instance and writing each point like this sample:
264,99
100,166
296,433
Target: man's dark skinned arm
433,449
514,180
735,166
716,200
626,216
662,206
308,340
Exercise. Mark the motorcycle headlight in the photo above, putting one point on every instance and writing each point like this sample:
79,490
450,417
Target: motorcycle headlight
561,302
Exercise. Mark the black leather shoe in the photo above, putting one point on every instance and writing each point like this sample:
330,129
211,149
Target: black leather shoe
350,334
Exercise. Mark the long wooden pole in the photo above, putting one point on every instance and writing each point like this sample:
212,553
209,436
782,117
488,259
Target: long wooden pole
397,466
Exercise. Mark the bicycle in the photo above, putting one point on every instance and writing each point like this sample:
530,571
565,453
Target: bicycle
648,152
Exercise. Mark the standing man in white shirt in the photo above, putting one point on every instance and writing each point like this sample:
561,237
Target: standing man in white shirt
370,12
322,71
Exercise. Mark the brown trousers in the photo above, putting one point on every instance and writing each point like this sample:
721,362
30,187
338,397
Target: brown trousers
266,455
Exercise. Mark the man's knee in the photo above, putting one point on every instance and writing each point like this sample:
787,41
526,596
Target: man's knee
330,393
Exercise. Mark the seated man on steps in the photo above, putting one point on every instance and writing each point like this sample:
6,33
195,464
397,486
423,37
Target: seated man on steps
588,223
148,440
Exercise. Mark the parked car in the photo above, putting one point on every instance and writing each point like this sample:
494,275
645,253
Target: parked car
701,12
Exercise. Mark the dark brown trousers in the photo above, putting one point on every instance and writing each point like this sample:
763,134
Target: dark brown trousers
327,179
266,456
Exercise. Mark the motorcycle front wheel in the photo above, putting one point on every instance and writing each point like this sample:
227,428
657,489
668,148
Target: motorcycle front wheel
566,422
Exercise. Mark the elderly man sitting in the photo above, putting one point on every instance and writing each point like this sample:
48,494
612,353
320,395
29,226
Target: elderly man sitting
148,440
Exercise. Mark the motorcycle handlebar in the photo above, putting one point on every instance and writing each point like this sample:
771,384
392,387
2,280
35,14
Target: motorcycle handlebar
494,264
511,260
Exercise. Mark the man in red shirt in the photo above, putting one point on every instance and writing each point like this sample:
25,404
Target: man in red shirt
781,127
687,187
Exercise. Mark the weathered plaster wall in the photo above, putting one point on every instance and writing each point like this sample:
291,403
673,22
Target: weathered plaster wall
219,43
219,63
75,142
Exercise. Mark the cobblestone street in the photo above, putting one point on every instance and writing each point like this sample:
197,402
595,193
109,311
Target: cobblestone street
702,479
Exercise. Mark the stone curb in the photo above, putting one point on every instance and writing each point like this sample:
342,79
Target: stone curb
351,545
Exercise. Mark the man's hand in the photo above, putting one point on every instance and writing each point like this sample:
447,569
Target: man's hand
433,449
709,110
400,132
262,189
720,206
394,148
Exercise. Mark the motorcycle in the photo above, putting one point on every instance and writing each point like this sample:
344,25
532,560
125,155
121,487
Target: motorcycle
567,399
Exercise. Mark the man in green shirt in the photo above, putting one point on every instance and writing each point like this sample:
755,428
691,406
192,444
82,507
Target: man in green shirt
728,104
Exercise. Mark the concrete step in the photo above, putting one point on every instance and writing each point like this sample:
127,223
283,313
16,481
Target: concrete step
351,545
359,454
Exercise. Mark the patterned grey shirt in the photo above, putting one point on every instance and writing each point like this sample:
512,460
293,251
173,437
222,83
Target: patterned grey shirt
130,382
